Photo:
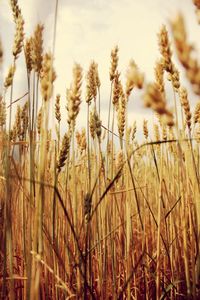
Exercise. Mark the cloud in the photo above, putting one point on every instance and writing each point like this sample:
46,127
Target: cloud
89,29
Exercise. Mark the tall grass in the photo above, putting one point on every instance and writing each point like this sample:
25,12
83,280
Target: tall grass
97,214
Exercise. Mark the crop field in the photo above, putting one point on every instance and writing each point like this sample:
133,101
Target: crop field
96,212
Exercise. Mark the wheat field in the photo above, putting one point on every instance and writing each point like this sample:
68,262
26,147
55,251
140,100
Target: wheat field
94,213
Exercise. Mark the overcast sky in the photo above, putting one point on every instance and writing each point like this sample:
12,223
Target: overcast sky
88,29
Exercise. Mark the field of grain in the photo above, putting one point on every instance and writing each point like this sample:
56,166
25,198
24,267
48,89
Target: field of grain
94,213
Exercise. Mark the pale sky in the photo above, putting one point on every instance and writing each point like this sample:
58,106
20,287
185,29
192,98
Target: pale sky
88,29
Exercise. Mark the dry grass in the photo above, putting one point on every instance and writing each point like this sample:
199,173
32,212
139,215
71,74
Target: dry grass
100,216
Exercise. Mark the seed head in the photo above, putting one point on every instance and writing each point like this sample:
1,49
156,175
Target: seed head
186,106
37,48
121,115
196,117
24,120
2,111
164,46
74,95
47,77
91,87
134,78
19,36
28,57
64,151
57,109
114,62
95,124
9,79
117,89
145,129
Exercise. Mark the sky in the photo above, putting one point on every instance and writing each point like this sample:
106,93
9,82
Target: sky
89,29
